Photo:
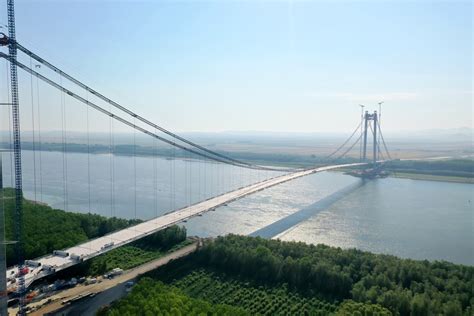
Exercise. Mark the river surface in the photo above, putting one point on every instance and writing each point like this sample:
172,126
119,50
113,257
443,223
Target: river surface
407,218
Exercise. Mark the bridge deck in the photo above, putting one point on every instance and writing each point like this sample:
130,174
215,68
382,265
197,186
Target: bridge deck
95,247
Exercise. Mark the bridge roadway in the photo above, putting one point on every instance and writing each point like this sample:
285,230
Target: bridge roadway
98,246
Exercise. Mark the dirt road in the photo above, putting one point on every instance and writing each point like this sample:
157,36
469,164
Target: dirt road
106,284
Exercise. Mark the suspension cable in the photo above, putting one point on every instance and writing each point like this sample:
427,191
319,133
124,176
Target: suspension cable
343,144
348,150
126,110
63,140
135,171
141,129
378,145
39,137
384,144
111,167
33,133
88,158
212,155
155,176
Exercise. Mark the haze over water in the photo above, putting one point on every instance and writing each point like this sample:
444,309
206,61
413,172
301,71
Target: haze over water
408,218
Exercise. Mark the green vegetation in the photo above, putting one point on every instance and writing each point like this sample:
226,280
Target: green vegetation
430,177
351,308
274,277
342,274
139,252
154,298
46,229
449,170
217,288
459,168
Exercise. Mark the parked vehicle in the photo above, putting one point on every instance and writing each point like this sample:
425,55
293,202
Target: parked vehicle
75,257
48,268
91,281
108,245
61,253
117,271
32,263
24,270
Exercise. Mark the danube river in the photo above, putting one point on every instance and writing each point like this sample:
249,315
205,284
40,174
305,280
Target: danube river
408,218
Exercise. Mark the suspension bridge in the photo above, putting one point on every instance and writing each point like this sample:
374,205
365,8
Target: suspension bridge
70,88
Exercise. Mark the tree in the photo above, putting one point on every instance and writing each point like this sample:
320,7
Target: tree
349,308
420,305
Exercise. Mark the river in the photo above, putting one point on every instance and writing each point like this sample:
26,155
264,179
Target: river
407,218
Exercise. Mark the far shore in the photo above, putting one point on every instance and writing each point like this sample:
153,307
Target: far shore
431,177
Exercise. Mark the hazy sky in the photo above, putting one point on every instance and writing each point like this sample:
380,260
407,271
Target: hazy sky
262,65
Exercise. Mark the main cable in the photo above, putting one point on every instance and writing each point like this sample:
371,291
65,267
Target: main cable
141,129
343,144
348,150
220,157
129,112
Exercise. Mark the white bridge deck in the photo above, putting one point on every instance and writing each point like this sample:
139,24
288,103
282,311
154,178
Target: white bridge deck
122,237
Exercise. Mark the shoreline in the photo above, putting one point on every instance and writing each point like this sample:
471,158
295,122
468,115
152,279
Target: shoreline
431,177
423,177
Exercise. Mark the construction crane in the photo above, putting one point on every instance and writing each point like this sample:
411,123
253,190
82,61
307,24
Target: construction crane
10,41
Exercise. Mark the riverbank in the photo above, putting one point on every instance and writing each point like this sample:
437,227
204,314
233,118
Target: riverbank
457,170
432,177
422,176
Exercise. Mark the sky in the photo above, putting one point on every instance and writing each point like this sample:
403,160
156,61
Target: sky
286,66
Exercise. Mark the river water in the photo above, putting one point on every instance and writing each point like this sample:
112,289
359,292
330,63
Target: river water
408,218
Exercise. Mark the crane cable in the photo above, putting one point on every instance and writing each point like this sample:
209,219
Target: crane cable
10,134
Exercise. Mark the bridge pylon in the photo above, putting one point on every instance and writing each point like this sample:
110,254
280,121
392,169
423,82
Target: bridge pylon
375,170
367,118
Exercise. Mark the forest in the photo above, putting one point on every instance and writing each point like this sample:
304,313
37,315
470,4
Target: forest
46,229
261,275
131,255
154,298
138,252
